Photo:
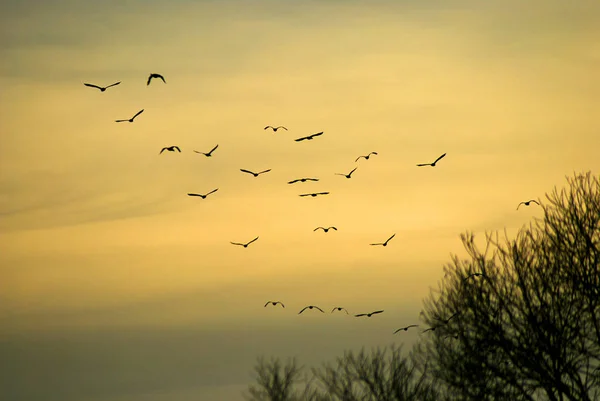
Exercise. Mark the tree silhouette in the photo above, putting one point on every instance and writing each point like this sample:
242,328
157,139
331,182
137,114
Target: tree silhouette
275,381
529,327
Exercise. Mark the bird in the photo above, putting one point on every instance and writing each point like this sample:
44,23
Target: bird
349,175
368,314
432,164
246,244
170,149
205,195
325,229
365,157
209,154
253,173
446,321
275,128
154,75
430,329
310,307
302,180
132,118
102,88
474,275
386,241
310,137
315,194
527,203
406,328
340,309
274,303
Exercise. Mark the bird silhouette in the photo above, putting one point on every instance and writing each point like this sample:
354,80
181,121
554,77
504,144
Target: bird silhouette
368,314
339,308
170,149
527,203
365,157
325,229
274,303
349,175
154,75
386,241
406,328
310,307
246,244
209,154
275,128
430,329
310,137
474,275
132,118
102,88
446,321
302,180
432,164
253,173
205,195
315,194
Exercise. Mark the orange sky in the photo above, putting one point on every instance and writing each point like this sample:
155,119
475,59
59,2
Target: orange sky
102,249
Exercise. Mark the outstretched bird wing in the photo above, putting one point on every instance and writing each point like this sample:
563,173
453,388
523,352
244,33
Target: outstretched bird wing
252,241
322,193
390,238
120,121
236,243
318,228
247,171
358,158
149,79
301,139
303,309
353,170
522,203
280,303
439,158
281,126
360,314
265,171
214,190
268,302
424,164
293,181
162,150
213,149
317,134
115,84
378,243
534,201
93,86
268,126
161,77
194,195
372,153
304,194
202,153
138,113
316,307
333,228
177,147
376,312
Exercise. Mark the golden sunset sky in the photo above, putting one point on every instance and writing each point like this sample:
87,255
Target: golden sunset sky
115,285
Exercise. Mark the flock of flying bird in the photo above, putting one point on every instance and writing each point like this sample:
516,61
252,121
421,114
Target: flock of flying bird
313,194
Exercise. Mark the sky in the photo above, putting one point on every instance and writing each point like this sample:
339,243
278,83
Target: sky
115,285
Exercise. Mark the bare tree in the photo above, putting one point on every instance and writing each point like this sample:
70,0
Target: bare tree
528,325
277,381
381,375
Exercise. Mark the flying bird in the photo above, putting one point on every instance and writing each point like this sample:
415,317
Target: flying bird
430,329
102,88
368,314
205,195
349,175
246,244
446,321
473,275
315,194
310,137
153,75
406,328
365,157
274,303
386,241
325,229
339,308
209,154
310,307
132,118
253,173
275,128
302,180
170,149
432,164
527,203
